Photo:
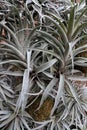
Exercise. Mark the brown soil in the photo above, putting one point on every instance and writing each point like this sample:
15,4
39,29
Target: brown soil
80,84
83,69
44,112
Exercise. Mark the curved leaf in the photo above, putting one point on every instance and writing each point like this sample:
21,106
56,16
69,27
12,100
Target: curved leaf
59,93
46,65
12,34
71,23
60,29
53,41
47,90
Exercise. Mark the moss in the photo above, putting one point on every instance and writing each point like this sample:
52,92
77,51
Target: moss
44,112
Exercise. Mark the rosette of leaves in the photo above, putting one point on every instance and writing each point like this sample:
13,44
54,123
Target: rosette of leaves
10,120
19,62
45,60
63,43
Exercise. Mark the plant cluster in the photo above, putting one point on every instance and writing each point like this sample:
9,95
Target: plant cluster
43,52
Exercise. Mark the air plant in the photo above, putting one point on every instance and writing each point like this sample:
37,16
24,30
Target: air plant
43,57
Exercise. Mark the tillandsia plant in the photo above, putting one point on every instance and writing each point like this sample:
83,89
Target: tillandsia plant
18,60
63,38
39,78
